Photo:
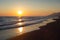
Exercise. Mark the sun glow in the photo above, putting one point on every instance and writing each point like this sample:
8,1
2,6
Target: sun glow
20,12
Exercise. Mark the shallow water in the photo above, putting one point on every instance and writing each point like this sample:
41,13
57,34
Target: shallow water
5,34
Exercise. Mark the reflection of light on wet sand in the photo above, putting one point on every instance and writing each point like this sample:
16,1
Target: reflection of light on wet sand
20,29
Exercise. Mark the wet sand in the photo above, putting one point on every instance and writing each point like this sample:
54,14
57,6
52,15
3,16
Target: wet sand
50,31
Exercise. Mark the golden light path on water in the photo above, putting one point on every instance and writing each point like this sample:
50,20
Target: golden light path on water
20,28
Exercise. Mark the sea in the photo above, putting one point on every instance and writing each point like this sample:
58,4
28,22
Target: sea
11,26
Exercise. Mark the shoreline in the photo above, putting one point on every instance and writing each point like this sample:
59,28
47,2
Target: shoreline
47,32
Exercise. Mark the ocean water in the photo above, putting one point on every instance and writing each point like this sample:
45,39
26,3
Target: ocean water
12,22
14,26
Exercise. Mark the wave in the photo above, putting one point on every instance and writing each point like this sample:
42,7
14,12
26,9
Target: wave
7,23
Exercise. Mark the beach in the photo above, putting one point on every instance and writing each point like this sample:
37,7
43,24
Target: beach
47,32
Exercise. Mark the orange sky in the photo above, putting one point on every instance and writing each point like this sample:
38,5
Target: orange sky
28,13
29,7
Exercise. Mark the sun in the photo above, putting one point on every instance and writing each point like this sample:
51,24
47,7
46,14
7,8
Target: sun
20,12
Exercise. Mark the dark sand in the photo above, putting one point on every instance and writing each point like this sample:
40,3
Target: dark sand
49,32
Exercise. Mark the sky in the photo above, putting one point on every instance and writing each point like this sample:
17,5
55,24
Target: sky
29,7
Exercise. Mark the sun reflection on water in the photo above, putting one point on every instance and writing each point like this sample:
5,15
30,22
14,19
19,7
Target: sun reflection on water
20,20
19,23
20,29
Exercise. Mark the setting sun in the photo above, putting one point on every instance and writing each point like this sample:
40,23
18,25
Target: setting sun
20,12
